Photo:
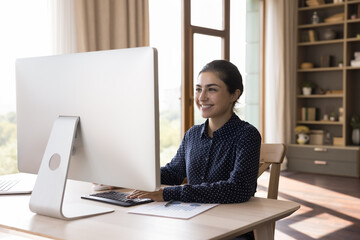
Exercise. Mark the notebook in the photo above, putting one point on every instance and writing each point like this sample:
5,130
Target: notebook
18,183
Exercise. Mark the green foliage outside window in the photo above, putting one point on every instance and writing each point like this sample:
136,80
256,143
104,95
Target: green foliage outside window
8,163
169,135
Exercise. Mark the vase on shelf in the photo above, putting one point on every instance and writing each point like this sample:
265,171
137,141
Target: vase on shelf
328,34
315,18
355,136
306,90
328,139
303,138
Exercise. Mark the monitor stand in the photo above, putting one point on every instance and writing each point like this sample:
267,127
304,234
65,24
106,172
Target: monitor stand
48,194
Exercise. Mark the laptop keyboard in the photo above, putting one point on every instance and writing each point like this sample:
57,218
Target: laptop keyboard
117,198
6,184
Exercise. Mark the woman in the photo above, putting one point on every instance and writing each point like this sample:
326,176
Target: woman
219,158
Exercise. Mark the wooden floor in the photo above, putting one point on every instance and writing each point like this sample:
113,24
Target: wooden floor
330,206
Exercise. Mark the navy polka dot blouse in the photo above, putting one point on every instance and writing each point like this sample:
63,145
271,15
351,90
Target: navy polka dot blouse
222,169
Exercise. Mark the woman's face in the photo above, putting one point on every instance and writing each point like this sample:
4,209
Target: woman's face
212,96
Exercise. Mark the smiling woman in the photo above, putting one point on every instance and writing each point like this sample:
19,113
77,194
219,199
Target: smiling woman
219,87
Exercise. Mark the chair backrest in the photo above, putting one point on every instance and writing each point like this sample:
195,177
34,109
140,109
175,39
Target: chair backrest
272,155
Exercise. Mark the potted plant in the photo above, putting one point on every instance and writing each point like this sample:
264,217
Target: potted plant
302,134
332,116
307,87
341,64
355,124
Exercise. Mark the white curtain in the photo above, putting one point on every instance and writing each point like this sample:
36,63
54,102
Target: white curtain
280,68
63,26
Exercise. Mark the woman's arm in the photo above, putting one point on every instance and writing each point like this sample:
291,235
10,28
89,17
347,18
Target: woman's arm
173,173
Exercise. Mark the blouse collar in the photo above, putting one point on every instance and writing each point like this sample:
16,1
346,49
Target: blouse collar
225,130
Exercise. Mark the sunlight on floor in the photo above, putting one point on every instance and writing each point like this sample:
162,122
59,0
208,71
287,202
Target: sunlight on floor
327,199
333,210
317,223
283,236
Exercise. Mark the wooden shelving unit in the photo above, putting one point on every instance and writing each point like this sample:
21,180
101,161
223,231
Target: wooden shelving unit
338,76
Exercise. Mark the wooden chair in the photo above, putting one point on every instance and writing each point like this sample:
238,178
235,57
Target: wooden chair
272,155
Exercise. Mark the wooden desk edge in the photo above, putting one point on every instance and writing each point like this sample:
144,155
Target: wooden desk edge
264,227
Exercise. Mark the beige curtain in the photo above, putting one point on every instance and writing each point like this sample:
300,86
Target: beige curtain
280,69
111,24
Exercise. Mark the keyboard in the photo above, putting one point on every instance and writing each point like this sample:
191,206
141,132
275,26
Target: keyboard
116,198
17,183
6,184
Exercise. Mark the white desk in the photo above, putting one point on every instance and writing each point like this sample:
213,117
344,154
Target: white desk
222,222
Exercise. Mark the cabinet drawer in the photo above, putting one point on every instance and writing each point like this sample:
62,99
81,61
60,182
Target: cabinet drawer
323,153
341,168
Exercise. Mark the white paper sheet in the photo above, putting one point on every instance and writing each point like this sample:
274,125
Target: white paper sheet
175,209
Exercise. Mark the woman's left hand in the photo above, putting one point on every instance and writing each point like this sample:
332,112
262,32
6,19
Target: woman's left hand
155,196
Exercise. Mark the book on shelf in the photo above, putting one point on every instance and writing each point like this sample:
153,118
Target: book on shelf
312,36
308,114
308,36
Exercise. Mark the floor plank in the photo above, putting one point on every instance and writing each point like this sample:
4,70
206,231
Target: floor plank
330,206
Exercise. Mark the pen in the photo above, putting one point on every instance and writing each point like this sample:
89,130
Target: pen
168,203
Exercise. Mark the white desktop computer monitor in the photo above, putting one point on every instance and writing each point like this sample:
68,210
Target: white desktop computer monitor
108,100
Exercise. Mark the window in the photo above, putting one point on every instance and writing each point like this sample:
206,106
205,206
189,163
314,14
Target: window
201,57
210,40
245,46
165,35
26,31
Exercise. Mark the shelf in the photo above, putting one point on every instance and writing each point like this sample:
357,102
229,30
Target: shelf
353,20
355,39
323,24
328,5
321,69
351,147
353,2
339,81
352,68
321,96
321,122
321,42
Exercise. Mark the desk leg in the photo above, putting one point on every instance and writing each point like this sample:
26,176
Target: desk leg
264,232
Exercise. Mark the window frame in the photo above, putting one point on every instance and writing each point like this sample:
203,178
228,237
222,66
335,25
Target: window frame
187,61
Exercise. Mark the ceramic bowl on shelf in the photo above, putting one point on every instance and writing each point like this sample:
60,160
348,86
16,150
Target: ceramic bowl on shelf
312,3
328,34
306,65
335,18
355,63
357,55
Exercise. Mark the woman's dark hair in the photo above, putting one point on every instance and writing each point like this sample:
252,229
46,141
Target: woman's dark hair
227,72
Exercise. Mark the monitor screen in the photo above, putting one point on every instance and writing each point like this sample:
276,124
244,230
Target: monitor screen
115,95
